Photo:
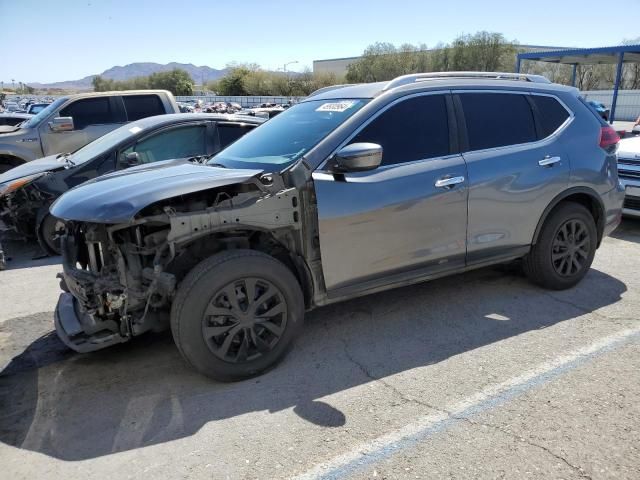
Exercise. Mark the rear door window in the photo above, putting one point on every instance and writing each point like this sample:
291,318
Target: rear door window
178,142
414,129
551,114
90,111
142,106
229,133
497,119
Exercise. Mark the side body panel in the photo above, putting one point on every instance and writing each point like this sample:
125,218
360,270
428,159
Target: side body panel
391,219
509,189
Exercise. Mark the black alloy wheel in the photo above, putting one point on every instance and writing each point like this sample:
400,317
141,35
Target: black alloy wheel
244,320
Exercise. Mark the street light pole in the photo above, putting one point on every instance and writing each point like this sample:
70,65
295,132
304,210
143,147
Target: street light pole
284,68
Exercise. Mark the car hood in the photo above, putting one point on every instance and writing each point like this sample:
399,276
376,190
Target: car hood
118,197
629,148
42,165
8,129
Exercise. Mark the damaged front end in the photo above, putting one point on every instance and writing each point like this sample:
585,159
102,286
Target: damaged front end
120,279
18,213
113,290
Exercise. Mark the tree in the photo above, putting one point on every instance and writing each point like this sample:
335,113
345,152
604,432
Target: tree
482,51
177,81
233,83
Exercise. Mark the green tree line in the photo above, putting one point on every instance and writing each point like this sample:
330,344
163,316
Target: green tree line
250,79
177,81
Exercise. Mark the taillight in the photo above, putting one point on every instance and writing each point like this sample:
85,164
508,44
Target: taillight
608,137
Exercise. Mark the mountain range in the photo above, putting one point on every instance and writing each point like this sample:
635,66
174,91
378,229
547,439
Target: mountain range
199,75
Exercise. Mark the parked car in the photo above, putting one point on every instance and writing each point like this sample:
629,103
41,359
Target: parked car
185,107
352,191
11,106
75,120
600,108
27,191
629,172
12,119
268,109
35,108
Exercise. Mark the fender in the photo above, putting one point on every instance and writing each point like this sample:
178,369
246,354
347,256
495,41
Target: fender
21,154
591,193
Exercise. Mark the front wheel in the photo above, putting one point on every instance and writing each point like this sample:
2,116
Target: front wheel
49,234
236,314
565,248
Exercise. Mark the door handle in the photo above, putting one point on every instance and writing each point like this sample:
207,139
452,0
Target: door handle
448,182
549,161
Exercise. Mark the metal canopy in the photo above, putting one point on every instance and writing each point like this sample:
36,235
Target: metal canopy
618,55
586,56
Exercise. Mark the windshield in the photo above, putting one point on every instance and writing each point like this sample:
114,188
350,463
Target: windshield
105,143
285,138
35,120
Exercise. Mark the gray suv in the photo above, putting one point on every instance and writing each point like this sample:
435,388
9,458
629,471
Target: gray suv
355,190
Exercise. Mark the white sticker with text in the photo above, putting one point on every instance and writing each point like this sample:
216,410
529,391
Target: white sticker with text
336,106
135,129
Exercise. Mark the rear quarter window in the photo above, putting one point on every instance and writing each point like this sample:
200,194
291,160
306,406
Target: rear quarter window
551,114
142,106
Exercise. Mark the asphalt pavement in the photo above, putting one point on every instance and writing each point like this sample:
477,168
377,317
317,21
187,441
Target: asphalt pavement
480,375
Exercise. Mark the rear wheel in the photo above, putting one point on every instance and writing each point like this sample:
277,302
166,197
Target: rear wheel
565,249
236,314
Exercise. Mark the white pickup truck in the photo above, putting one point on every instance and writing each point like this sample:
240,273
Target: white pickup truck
72,121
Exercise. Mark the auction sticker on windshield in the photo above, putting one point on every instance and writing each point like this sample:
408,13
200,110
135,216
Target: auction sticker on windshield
336,106
135,129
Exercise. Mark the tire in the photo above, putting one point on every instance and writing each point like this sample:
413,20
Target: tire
238,345
47,232
4,167
568,233
3,260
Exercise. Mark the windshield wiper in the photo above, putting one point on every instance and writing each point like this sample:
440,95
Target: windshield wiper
199,158
66,158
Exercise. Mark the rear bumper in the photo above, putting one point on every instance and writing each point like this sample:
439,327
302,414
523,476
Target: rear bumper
613,201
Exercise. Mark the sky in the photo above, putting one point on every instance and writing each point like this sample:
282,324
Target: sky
47,41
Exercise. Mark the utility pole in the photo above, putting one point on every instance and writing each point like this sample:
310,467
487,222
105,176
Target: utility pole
284,69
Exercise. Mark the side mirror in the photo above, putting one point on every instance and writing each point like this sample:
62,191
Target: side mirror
61,124
358,157
131,159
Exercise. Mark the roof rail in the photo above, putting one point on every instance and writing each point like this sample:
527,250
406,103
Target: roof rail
419,77
329,88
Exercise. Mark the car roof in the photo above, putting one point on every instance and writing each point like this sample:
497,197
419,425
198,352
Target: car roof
172,118
448,80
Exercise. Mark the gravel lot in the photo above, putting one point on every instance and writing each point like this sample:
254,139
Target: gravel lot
479,375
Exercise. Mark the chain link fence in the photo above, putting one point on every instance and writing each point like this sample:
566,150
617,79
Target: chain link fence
244,101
